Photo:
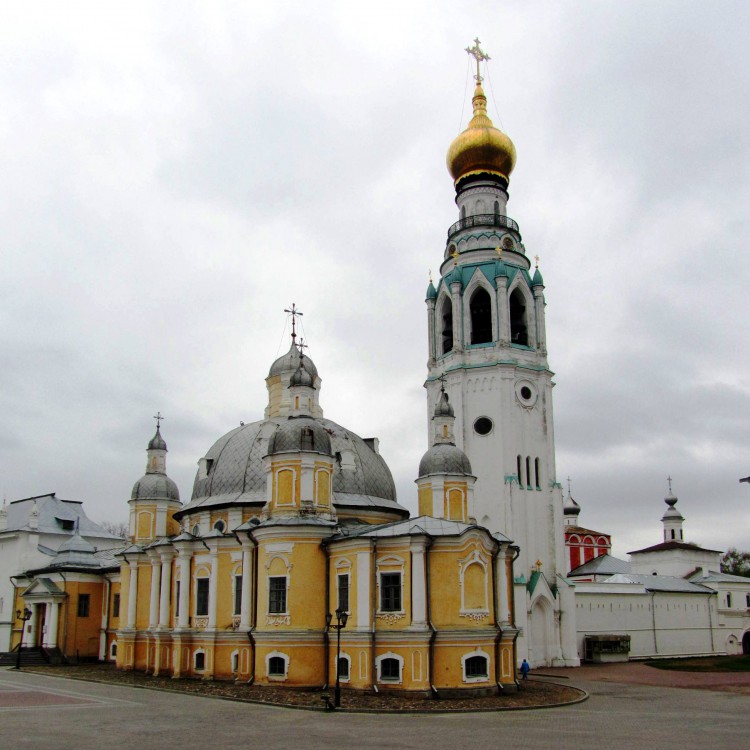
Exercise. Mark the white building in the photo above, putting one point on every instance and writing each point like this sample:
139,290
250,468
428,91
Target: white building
32,530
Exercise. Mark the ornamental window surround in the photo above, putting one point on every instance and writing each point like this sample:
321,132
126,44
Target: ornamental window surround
475,666
201,597
345,667
390,668
473,579
277,666
277,598
390,592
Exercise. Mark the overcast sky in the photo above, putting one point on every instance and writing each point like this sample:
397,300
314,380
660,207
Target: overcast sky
175,174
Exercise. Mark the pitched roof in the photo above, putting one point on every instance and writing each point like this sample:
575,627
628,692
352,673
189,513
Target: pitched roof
672,545
660,583
416,526
602,566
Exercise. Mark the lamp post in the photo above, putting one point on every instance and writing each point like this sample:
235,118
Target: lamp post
341,617
24,617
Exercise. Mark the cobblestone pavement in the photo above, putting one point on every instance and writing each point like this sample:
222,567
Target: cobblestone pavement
618,716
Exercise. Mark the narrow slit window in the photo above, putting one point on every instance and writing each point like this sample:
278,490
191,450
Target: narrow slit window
528,472
446,334
537,478
480,309
519,472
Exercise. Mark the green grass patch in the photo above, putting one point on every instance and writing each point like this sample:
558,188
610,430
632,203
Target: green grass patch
704,664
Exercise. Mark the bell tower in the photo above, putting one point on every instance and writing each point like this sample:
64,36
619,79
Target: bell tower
487,343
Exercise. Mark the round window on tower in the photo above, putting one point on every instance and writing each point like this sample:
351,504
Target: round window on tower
526,393
483,426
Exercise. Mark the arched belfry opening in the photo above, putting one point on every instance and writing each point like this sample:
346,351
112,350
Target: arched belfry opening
446,327
519,331
480,307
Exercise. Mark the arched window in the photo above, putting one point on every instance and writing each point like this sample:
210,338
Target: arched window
672,533
537,478
220,526
528,471
200,661
447,327
307,440
519,332
481,317
343,667
519,472
497,208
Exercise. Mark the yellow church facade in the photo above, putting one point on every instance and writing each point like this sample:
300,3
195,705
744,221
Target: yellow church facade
243,590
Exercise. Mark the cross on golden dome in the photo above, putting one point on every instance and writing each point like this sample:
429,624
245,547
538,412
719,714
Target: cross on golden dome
479,56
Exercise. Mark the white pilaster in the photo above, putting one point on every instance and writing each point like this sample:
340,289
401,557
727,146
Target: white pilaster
247,579
132,593
166,582
153,611
418,584
364,575
183,620
50,638
213,589
501,581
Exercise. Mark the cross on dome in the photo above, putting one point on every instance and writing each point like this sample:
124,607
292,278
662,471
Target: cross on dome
158,417
295,313
479,56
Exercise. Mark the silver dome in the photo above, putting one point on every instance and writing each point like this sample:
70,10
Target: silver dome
235,473
157,442
444,458
290,362
155,487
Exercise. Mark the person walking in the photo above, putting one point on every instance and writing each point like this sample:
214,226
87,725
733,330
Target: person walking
525,669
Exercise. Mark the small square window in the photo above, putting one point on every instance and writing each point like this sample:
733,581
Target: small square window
277,666
84,604
390,592
390,670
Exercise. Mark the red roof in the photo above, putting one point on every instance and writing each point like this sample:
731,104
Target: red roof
664,546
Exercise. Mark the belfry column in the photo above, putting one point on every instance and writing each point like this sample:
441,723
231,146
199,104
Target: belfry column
247,577
501,295
132,593
153,611
458,325
183,619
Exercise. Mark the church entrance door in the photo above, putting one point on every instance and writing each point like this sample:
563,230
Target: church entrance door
746,643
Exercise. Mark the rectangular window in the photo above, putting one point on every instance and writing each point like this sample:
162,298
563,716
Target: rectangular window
177,599
343,589
84,603
747,600
277,595
201,597
116,605
237,595
390,592
729,600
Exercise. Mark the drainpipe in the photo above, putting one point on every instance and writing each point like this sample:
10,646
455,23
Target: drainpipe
513,610
326,635
374,602
254,608
499,633
433,633
105,624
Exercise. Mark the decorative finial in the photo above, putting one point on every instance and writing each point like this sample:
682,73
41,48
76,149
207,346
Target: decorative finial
478,55
499,251
454,255
441,378
430,275
568,486
539,565
158,417
669,482
302,346
536,259
294,312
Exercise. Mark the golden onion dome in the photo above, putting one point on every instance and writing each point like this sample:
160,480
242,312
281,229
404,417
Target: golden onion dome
481,148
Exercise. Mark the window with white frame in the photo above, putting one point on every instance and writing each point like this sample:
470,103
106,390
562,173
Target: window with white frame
342,588
237,608
199,661
390,592
475,667
277,665
277,595
235,661
201,597
389,668
344,667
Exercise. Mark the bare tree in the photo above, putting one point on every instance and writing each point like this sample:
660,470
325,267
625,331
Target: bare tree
118,528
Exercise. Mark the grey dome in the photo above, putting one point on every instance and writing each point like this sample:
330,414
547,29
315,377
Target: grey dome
155,487
301,376
290,361
444,458
235,471
571,507
443,407
300,434
157,442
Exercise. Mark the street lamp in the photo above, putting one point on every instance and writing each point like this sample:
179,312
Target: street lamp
24,616
341,617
